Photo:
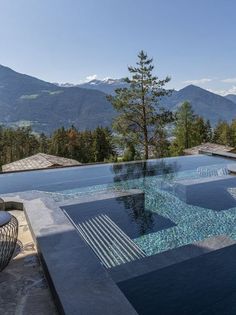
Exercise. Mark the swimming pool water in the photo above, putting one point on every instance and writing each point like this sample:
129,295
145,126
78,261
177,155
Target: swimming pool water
156,179
192,223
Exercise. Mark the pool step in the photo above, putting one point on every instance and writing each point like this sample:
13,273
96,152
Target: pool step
111,245
212,171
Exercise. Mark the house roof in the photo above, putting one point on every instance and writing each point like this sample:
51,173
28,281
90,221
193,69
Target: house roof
208,147
39,161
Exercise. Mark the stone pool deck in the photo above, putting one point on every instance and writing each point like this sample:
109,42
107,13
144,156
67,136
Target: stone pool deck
23,288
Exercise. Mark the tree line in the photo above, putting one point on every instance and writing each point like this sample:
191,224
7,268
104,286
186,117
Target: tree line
189,130
100,145
84,146
192,130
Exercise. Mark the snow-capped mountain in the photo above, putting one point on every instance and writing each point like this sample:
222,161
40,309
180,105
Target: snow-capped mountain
106,81
106,85
67,84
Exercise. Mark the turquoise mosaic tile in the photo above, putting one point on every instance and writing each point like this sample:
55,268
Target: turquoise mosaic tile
193,223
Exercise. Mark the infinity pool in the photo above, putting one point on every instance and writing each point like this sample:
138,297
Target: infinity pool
164,220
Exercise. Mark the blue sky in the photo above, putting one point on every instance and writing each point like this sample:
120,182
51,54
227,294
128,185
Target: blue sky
193,41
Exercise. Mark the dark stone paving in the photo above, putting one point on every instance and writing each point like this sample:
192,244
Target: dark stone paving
203,285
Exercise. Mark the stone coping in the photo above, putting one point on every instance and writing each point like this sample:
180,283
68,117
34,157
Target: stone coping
224,154
79,283
99,196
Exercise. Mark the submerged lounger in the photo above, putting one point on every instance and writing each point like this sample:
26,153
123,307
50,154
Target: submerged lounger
111,245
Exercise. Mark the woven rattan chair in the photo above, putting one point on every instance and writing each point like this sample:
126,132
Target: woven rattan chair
8,237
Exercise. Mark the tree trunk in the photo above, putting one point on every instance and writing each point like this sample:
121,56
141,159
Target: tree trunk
145,130
186,133
146,143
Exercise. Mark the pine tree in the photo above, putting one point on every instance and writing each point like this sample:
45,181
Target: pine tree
129,153
201,131
222,133
208,131
137,105
233,133
72,142
102,144
58,143
43,143
162,147
184,129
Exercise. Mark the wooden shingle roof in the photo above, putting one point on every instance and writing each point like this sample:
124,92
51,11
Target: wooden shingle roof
39,161
208,147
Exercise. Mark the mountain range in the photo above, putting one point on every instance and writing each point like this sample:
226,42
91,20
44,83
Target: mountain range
26,100
107,85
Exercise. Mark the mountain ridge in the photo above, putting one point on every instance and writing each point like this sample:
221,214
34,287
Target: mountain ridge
204,103
231,97
46,106
107,85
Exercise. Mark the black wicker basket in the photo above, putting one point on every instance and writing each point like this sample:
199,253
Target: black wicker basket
8,237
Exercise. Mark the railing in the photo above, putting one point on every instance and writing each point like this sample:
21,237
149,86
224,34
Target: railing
111,245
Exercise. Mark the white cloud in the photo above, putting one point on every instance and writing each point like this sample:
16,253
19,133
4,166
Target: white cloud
198,81
229,80
91,77
232,90
94,77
